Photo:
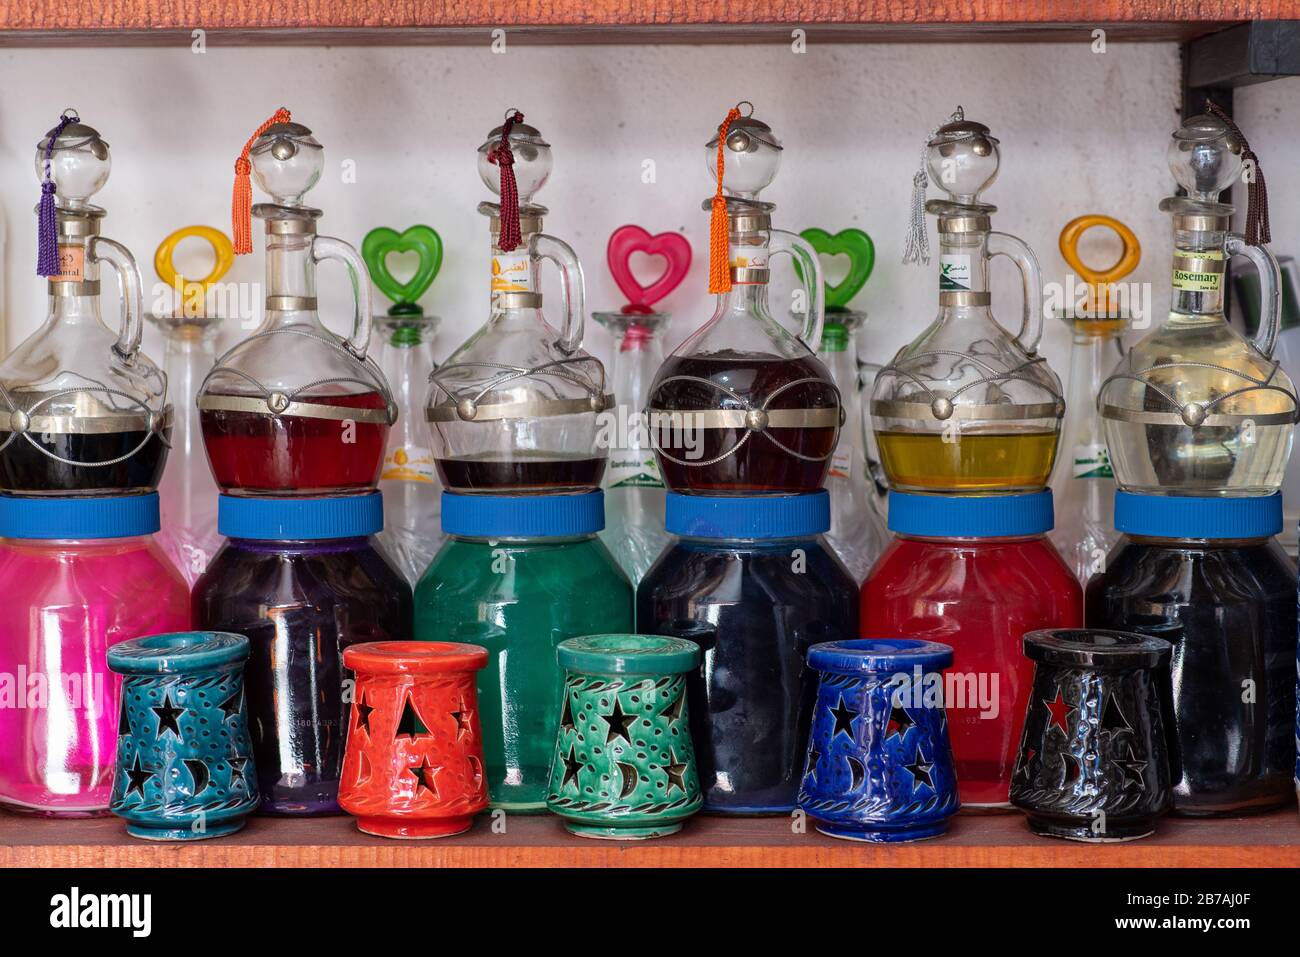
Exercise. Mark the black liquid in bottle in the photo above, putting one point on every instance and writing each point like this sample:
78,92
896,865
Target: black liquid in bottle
754,608
521,474
27,470
1229,609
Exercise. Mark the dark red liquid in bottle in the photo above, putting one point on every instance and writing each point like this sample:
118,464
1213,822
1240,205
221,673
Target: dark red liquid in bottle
522,473
260,452
757,463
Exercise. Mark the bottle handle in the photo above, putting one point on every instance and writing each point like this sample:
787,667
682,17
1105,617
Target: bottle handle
542,246
1270,290
810,278
1031,278
327,247
1098,280
101,249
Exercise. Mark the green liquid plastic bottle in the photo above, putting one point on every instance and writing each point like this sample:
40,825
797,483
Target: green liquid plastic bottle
518,575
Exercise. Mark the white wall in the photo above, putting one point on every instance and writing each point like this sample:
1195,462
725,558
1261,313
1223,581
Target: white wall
1081,132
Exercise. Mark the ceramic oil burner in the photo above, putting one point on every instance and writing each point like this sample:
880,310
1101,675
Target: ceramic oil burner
184,759
624,767
414,761
1094,763
879,762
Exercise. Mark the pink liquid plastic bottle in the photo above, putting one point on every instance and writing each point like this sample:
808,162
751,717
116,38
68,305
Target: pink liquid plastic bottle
76,576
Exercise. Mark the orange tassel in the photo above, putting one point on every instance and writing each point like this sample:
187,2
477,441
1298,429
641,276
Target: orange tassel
241,204
719,231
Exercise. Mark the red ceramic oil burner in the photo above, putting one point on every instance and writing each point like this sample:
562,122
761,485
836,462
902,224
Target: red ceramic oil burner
414,761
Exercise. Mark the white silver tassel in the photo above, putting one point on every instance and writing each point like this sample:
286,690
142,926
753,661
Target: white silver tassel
916,248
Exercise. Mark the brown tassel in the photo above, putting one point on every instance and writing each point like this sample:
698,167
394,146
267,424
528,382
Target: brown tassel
1257,228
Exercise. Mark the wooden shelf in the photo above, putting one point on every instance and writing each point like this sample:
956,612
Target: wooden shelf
137,22
974,841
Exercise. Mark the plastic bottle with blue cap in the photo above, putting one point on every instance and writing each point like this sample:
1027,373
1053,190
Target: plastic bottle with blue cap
82,575
303,579
1208,575
517,575
753,582
975,572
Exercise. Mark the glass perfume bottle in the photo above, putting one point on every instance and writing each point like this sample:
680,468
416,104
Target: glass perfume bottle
634,490
403,343
1084,483
188,492
83,411
858,532
742,405
966,407
516,408
294,409
1195,408
859,249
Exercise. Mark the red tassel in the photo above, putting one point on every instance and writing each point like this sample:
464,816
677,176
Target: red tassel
241,203
509,236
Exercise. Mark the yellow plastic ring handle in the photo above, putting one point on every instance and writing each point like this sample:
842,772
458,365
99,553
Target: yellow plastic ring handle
222,249
1128,257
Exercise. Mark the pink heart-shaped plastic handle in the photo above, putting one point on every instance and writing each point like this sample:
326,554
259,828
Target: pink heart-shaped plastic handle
673,247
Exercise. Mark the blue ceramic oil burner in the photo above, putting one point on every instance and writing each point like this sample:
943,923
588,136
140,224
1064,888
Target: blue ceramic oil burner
879,761
184,758
1094,763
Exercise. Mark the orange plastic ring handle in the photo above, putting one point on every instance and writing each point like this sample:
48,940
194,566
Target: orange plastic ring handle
1128,257
223,251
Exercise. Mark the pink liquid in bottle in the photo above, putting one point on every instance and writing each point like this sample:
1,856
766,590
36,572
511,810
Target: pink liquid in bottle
62,604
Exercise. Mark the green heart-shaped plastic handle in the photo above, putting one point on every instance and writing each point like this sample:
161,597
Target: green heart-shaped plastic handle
424,241
855,244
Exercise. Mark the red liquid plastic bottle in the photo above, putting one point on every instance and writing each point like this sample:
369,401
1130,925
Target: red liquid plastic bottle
979,591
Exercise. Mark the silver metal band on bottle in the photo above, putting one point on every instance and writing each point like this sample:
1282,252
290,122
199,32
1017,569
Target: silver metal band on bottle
258,399
757,419
1198,413
468,406
945,407
24,419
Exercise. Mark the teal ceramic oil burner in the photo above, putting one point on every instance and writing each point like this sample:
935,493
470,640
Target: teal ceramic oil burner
624,768
184,758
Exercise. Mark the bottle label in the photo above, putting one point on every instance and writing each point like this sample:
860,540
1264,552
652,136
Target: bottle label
1202,272
954,272
632,469
749,257
408,463
512,272
842,461
1091,460
72,263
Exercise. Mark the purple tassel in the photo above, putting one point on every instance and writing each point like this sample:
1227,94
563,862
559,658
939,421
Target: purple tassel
47,242
47,245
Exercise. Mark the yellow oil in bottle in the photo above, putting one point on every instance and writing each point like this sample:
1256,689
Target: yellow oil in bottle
1017,460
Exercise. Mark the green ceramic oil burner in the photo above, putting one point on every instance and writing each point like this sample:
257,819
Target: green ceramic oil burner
624,768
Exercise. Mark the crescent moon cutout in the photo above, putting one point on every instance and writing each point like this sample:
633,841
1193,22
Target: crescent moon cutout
199,772
1072,768
630,779
858,771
